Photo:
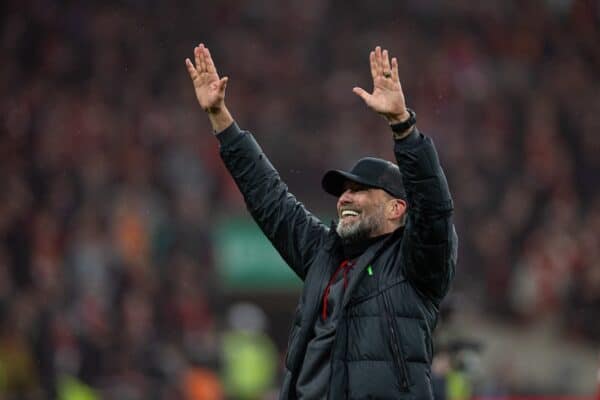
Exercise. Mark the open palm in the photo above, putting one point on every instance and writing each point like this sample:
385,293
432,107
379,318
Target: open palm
387,98
209,88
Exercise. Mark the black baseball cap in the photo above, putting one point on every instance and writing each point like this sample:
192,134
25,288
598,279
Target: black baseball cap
369,171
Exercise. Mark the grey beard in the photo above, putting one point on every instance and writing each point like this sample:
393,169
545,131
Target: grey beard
361,230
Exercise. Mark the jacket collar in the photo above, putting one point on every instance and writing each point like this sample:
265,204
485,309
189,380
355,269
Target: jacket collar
365,260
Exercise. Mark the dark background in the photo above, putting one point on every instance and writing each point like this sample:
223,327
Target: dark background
112,186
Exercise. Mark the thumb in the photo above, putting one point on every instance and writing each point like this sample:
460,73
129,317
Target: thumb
223,84
363,94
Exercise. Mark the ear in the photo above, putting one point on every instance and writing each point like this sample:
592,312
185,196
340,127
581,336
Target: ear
396,209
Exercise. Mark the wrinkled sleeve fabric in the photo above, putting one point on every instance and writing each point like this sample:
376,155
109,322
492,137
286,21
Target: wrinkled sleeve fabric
430,244
293,230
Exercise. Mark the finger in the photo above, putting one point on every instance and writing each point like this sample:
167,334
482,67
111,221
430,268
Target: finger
373,66
210,65
197,59
385,61
191,70
395,76
378,66
223,84
202,67
362,93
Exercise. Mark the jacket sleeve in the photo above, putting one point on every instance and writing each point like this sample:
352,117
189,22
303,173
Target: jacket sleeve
429,246
293,231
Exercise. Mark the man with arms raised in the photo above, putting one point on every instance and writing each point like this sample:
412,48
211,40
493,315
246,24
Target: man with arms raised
373,282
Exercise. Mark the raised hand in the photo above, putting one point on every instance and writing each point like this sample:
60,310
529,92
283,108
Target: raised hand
387,98
210,89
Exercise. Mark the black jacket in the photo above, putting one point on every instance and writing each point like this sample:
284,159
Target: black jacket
383,345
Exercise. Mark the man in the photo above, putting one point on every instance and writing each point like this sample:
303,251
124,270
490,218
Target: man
373,282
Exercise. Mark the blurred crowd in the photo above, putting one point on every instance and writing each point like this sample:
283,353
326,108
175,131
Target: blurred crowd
112,183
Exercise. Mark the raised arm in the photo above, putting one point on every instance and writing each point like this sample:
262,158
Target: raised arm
429,246
295,233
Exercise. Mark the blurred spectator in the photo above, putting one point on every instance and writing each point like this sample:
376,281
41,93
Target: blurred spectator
17,366
70,388
202,384
249,355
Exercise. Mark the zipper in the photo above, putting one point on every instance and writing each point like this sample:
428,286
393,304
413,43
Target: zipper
398,359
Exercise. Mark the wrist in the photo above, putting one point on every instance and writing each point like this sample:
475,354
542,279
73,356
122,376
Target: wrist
405,126
220,119
398,118
215,109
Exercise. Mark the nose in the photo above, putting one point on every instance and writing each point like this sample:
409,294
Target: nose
345,197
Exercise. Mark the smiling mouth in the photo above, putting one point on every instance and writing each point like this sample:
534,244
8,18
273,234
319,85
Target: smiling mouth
349,213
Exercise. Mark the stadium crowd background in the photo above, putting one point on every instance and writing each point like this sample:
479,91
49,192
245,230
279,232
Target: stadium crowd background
112,184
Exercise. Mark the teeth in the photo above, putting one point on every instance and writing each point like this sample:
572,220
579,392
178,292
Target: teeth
347,213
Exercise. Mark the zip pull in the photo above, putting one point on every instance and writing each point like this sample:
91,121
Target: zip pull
370,270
